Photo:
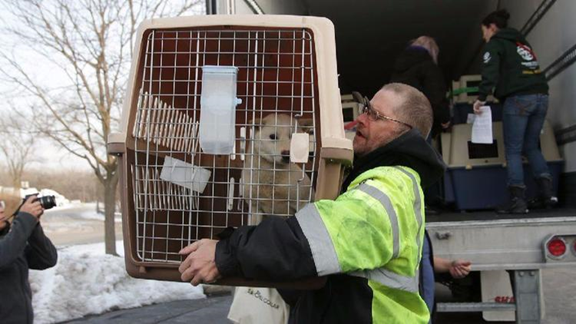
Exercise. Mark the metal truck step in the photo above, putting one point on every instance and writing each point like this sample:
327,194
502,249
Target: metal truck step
473,307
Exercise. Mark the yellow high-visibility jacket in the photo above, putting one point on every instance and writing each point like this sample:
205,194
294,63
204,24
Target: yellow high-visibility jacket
368,242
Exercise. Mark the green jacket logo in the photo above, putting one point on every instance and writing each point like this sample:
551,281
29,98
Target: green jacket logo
525,52
487,57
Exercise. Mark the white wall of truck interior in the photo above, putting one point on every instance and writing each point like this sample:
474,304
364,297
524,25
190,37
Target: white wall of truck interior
287,7
551,37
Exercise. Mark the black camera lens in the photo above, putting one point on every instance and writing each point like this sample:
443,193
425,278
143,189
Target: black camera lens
47,202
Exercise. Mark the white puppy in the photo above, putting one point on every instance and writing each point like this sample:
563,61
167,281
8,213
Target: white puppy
273,185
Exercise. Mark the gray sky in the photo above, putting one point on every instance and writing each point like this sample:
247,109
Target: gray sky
47,153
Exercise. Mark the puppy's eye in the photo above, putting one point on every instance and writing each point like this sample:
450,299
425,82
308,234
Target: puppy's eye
272,136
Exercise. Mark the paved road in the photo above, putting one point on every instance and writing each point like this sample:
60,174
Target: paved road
68,227
211,310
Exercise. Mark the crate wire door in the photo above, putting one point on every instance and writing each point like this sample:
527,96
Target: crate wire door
276,76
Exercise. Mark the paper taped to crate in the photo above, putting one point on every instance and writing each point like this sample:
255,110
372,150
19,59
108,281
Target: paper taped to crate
482,127
185,174
299,147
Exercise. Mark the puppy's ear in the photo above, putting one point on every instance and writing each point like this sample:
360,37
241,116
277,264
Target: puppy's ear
256,122
305,122
306,125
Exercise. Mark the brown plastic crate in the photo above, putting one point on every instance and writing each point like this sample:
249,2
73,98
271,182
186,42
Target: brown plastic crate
286,65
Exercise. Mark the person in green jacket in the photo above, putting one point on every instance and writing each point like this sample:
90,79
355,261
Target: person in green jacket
368,241
511,68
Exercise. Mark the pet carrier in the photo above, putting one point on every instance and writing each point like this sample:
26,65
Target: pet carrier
227,119
476,174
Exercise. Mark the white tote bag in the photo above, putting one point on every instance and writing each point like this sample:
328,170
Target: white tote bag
258,306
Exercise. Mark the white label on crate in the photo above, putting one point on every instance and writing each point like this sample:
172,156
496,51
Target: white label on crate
185,174
299,147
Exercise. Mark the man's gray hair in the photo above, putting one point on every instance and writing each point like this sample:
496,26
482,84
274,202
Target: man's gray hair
415,108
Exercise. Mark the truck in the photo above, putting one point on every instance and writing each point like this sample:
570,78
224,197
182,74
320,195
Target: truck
508,252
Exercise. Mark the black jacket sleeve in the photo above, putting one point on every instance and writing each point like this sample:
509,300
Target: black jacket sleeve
275,250
13,244
40,252
490,69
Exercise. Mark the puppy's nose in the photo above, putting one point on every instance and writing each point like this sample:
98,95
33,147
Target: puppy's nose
285,156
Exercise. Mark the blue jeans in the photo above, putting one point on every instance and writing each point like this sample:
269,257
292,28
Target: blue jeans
523,118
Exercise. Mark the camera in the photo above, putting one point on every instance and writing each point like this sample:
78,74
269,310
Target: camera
46,202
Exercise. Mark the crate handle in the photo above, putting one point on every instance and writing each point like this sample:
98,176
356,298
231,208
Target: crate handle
116,144
342,156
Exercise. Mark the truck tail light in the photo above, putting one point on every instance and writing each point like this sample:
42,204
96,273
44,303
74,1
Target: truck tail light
556,247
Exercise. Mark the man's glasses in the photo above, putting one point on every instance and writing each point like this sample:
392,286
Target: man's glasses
374,115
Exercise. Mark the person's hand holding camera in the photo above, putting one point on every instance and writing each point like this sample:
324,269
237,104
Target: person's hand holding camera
33,207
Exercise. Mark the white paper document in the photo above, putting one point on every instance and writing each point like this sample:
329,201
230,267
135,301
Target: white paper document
482,127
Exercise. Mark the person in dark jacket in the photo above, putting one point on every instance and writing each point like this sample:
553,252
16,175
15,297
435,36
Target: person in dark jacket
367,242
417,66
23,246
510,66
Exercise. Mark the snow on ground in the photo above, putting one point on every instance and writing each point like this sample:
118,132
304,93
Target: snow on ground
92,214
87,281
88,211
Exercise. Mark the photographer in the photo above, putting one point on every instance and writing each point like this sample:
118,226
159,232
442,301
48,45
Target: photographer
23,245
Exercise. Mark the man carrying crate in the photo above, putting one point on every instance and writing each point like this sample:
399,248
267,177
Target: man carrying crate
368,241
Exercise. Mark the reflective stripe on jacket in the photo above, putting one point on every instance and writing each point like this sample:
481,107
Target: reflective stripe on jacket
374,231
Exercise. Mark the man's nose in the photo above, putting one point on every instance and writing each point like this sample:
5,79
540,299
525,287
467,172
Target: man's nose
362,118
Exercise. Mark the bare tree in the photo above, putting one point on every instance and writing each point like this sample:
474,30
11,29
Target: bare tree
16,146
90,43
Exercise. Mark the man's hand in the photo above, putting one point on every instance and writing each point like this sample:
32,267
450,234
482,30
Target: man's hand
200,266
460,269
32,207
477,105
446,125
